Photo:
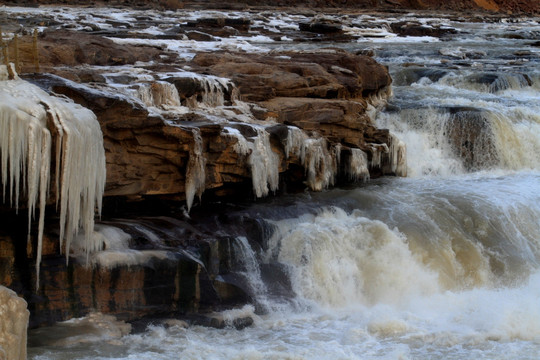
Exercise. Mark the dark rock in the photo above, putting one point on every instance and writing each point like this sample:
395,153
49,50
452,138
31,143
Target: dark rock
199,36
408,28
321,27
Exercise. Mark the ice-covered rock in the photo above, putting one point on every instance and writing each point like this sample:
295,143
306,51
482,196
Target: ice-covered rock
13,325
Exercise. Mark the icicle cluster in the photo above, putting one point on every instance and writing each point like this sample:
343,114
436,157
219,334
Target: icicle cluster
264,164
320,164
357,168
377,150
213,94
320,161
29,120
196,170
398,156
159,94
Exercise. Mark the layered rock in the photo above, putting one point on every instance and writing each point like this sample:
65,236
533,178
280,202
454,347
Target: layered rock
221,123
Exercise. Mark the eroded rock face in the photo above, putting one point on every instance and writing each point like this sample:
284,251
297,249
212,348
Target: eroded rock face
221,123
13,325
328,94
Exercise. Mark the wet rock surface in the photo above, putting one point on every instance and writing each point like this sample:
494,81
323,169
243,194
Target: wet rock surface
200,114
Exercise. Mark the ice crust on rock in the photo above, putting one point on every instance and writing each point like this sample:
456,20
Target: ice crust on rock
13,325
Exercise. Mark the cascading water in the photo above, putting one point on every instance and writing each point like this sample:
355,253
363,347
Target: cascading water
251,271
444,264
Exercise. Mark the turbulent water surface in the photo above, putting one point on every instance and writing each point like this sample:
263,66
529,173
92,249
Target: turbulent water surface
443,264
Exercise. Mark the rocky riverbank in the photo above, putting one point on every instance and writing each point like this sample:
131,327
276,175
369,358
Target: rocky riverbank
494,6
197,110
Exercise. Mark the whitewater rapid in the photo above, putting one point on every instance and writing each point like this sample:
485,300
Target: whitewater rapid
444,264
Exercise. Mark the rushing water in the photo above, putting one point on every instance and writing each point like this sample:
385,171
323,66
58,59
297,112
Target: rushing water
444,264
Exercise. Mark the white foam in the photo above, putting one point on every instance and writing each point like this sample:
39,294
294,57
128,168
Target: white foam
338,259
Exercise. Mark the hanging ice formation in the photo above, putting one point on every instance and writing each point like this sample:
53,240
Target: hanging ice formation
195,173
357,168
31,123
262,160
264,164
398,156
159,94
212,94
320,163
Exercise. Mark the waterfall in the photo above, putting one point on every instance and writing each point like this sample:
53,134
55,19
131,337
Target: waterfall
251,271
455,140
338,259
26,113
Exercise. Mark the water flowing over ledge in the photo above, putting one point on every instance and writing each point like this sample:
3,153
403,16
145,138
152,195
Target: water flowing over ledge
443,264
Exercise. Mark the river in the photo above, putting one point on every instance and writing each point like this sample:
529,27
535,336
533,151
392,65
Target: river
443,264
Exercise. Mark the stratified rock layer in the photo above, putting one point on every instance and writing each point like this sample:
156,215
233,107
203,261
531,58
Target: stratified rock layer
176,130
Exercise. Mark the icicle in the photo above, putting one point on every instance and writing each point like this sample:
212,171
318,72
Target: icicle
320,163
43,189
357,168
264,164
25,148
196,170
